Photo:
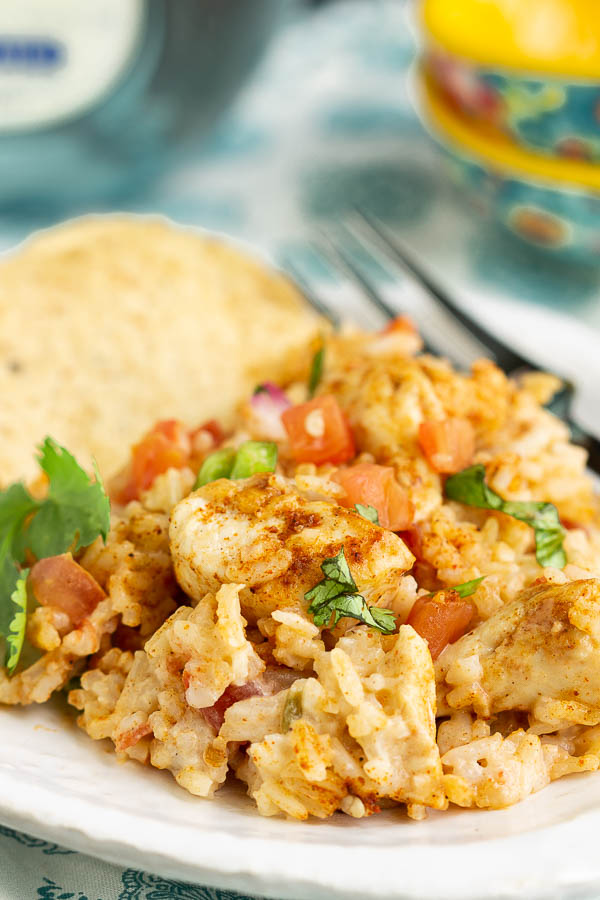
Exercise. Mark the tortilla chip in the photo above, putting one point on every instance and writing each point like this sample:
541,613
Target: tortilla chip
109,324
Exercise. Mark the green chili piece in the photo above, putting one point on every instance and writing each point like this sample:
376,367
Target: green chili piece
218,465
253,457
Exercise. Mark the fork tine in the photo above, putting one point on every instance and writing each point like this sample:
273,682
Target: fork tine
349,267
461,348
458,327
309,295
395,250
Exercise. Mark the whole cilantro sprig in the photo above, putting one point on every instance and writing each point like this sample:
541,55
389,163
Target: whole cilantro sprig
13,596
75,511
72,515
336,595
17,625
469,487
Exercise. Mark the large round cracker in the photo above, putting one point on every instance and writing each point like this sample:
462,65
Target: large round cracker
108,324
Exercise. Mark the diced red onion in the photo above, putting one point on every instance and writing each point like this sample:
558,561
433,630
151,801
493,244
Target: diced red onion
267,404
272,681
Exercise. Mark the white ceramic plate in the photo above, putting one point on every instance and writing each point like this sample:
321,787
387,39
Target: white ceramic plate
57,784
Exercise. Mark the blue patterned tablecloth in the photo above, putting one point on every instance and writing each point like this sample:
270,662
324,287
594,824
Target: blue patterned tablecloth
325,124
32,869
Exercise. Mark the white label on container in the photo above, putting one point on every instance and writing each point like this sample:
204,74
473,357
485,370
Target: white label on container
59,57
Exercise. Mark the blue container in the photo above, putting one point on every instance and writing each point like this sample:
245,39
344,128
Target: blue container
95,97
559,219
557,116
546,202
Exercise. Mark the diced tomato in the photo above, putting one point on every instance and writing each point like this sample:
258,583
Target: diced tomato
166,446
448,445
60,581
213,428
570,525
424,573
318,431
400,323
132,737
413,538
174,432
156,453
215,715
441,619
271,681
376,486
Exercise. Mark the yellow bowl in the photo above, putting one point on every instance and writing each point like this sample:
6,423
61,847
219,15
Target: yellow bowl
551,203
529,67
551,37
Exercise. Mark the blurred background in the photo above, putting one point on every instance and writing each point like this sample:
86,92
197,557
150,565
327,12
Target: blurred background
470,128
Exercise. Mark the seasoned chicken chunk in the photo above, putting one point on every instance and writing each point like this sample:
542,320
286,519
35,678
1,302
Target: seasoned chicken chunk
361,732
539,654
263,533
492,771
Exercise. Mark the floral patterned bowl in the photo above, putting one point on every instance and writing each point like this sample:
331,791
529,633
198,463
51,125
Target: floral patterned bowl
552,204
550,115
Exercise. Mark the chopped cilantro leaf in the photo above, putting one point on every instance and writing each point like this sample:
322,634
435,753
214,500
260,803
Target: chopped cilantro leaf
316,371
16,506
469,487
337,595
385,620
13,605
466,589
337,569
16,627
367,512
9,577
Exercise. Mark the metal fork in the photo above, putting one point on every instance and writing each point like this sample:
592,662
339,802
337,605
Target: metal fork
447,329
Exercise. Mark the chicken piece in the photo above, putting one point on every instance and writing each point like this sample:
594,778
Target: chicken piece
539,654
361,732
263,533
491,770
495,772
386,694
